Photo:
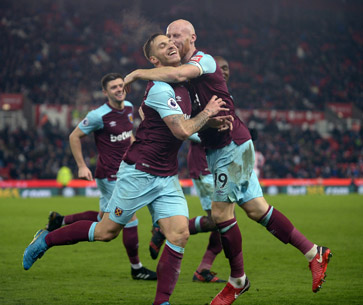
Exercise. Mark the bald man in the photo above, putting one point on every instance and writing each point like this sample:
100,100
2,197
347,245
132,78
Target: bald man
231,157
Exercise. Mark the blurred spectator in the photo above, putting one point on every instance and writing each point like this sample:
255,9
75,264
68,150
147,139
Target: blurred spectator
64,176
27,154
259,163
288,153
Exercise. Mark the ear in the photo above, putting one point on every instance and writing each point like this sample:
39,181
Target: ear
104,92
194,38
153,60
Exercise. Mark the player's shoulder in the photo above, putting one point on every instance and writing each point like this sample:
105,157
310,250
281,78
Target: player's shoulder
200,55
128,104
101,110
204,61
160,87
94,118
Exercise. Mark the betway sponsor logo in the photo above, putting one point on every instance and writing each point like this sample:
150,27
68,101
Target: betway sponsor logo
336,190
36,193
296,190
123,136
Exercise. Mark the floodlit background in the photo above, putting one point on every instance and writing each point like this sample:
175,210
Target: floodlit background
296,76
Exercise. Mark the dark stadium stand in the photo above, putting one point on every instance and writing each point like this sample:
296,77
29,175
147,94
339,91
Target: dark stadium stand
284,55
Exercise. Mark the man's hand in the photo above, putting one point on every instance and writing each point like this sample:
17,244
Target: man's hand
84,173
214,106
221,123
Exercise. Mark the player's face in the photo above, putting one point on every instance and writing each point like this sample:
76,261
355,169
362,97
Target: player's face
115,90
181,38
165,51
224,67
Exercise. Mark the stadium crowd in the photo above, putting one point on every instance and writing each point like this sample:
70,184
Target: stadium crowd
38,154
54,52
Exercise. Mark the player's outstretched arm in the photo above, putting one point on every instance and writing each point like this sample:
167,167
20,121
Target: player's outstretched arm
165,74
76,148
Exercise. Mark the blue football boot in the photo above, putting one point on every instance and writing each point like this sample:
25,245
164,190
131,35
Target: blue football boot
35,249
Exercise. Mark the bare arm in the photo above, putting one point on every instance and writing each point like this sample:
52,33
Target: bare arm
164,74
76,148
183,129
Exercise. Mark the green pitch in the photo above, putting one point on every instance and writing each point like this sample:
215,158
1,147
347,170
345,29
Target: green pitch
99,273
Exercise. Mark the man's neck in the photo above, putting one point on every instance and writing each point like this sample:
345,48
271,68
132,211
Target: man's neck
188,56
172,65
118,106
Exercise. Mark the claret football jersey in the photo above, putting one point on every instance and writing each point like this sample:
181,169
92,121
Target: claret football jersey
112,129
209,83
156,148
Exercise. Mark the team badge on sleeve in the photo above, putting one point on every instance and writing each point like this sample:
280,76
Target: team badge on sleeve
118,211
172,103
196,58
85,122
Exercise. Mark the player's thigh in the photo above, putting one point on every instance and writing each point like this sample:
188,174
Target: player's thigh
170,200
232,167
252,200
205,188
134,189
222,211
106,188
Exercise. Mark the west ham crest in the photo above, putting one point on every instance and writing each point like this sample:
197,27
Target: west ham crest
118,211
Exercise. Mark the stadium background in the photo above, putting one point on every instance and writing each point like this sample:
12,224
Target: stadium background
296,77
295,61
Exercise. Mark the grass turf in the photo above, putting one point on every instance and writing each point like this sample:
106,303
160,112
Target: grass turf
99,273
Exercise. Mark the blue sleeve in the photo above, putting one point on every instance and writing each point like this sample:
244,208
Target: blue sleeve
93,121
161,98
195,138
204,62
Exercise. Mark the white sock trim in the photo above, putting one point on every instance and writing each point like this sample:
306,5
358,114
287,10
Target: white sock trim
136,266
238,282
311,253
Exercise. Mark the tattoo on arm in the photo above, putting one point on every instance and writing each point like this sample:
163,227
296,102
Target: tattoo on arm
200,120
179,125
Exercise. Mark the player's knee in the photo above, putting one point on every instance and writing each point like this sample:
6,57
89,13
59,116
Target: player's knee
184,236
179,238
255,208
254,215
106,235
110,236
